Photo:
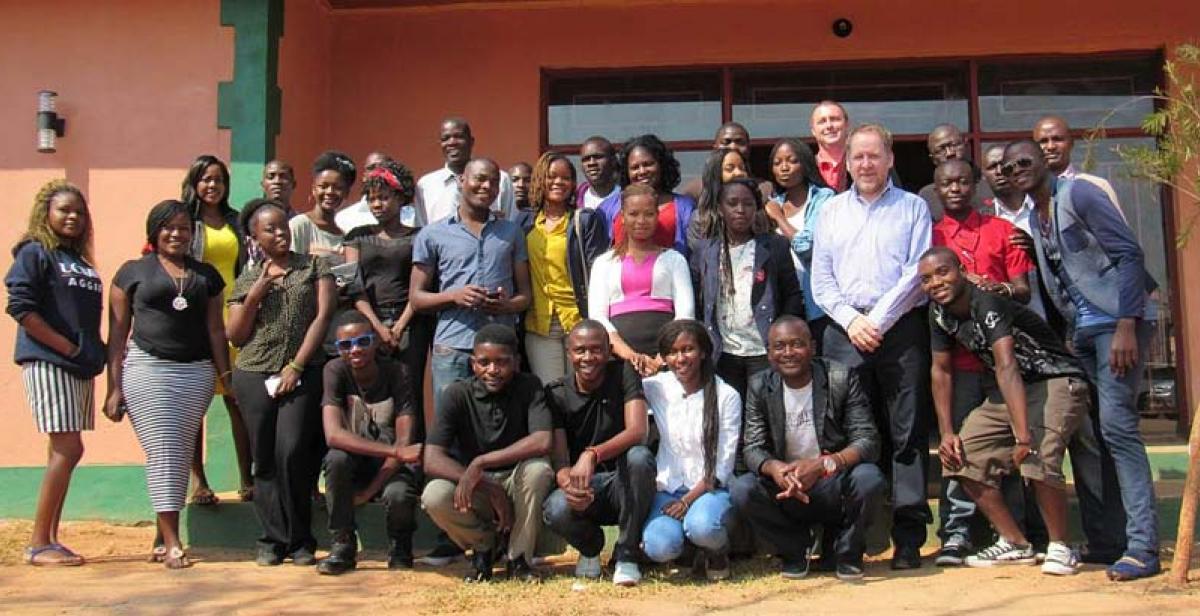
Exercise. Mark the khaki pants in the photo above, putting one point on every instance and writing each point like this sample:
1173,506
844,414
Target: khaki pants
527,485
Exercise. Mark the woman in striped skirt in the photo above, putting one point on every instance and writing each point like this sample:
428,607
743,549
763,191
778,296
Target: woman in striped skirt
163,372
54,294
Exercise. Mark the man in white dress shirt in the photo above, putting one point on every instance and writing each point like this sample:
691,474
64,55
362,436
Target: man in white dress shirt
437,191
866,251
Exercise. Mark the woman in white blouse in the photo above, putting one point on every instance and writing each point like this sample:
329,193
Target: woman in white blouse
638,286
699,419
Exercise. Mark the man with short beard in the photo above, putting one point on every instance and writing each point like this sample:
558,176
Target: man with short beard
945,143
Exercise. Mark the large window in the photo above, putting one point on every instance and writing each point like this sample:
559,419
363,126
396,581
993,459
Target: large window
991,99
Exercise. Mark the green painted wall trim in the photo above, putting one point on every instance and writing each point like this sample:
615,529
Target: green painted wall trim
111,493
249,105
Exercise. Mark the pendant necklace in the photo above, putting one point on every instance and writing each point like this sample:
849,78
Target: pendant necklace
180,302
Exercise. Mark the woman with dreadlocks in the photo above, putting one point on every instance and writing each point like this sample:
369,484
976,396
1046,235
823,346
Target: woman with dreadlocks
745,279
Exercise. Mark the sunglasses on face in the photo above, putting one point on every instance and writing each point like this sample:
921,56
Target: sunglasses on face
1011,168
347,344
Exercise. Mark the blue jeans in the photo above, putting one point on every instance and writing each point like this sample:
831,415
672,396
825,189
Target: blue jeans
1119,429
447,366
705,525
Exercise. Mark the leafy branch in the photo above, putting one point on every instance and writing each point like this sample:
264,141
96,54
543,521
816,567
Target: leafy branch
1175,125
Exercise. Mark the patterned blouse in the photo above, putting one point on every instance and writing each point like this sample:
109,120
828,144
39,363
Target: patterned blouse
284,314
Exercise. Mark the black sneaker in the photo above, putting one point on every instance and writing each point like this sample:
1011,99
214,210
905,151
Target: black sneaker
343,555
717,567
304,557
849,572
905,557
268,556
400,553
481,567
953,552
519,569
444,553
793,568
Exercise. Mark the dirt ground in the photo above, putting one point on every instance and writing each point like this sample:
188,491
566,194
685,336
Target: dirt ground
118,580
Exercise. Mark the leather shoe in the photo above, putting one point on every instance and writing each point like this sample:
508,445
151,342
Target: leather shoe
906,557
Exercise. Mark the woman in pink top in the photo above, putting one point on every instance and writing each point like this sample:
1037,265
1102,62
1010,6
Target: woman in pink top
638,286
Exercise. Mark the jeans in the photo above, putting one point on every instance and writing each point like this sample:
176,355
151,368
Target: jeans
346,473
623,497
843,502
705,525
447,366
1119,429
956,510
736,370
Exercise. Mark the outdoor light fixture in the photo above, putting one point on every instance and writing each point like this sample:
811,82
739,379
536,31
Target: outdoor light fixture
50,126
842,27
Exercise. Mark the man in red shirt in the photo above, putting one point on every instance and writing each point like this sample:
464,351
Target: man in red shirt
995,265
830,127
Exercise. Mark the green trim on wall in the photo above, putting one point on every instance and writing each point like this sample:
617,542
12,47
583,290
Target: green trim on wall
249,105
100,492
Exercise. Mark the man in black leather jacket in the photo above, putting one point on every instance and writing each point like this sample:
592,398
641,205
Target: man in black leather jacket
810,443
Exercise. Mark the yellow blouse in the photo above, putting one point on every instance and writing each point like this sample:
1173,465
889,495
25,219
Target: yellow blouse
221,251
552,291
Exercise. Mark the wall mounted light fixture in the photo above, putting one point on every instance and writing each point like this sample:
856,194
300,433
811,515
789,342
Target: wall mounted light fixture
50,126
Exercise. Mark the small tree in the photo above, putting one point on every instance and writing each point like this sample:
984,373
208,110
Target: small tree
1174,162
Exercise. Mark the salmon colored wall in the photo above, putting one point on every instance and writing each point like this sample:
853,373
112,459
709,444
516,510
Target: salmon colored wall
304,80
137,83
483,61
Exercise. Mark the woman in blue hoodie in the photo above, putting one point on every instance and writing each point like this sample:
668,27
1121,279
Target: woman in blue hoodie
54,294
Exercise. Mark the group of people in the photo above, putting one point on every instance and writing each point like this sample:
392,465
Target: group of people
734,363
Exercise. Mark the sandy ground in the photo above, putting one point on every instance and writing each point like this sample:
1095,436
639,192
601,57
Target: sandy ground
118,580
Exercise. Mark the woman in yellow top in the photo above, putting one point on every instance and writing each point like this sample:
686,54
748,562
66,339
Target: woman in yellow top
562,242
218,240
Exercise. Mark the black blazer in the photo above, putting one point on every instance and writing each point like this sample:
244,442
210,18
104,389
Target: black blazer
776,290
841,415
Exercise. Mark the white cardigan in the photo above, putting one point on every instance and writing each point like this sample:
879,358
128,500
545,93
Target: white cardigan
670,279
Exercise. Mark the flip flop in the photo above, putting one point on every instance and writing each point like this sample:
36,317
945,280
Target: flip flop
158,554
176,558
204,497
72,559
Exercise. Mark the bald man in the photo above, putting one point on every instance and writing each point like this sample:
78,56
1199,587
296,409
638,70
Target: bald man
1053,135
946,142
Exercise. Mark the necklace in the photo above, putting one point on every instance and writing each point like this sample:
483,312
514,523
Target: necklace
180,302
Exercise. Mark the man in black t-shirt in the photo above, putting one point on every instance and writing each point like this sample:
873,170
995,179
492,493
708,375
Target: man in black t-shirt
1042,400
604,474
486,457
368,418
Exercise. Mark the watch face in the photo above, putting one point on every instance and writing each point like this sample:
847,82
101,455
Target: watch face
830,465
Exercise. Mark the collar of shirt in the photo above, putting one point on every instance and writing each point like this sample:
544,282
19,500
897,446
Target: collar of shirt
1069,173
539,222
455,220
951,226
883,194
826,161
480,392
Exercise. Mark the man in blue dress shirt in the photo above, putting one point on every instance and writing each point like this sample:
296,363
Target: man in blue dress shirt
866,250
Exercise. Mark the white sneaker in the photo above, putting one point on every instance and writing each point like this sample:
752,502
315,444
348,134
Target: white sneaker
626,574
1002,553
1060,560
588,567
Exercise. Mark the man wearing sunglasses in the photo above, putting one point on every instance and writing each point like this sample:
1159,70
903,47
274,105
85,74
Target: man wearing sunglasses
369,427
1097,285
486,457
945,143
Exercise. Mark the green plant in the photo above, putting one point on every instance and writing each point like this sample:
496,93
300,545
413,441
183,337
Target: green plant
1175,125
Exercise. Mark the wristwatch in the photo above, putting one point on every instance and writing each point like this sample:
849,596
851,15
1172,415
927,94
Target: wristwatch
829,464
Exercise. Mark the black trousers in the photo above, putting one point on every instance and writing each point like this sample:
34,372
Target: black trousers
896,378
623,497
346,473
843,502
737,370
284,434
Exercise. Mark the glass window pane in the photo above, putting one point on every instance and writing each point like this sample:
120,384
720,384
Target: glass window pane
674,106
779,102
1013,95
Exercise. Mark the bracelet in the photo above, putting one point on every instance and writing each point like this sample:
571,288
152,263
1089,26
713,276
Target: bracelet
595,452
1008,289
295,366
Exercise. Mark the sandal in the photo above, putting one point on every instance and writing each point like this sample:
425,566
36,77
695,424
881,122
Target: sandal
246,494
70,559
204,497
1130,568
158,554
176,558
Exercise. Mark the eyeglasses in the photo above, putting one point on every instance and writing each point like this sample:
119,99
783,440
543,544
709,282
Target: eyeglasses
1011,168
348,344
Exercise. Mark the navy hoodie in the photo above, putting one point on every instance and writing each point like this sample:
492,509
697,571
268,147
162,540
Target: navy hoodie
68,294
